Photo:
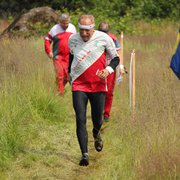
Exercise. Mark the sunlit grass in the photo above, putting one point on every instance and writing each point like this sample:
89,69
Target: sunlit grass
38,137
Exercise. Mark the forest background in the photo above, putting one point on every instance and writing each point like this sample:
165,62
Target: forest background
120,14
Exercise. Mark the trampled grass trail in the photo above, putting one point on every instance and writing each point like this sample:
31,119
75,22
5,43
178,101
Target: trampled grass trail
38,133
53,151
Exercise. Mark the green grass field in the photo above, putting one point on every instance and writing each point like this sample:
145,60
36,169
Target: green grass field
38,138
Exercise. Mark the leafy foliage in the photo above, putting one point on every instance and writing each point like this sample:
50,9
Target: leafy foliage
138,9
122,15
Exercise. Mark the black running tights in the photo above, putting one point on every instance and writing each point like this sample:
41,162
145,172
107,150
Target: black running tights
80,101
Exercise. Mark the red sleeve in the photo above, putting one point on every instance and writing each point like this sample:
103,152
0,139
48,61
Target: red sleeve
47,43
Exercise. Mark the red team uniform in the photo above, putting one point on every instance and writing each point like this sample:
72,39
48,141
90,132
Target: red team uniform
111,79
87,59
88,54
60,50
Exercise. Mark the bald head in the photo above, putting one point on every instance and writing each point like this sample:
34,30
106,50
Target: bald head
103,26
86,26
86,19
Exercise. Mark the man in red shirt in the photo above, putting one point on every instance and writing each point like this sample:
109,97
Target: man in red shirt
88,71
111,79
59,35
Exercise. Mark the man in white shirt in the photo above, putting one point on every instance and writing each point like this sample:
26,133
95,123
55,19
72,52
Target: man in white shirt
88,71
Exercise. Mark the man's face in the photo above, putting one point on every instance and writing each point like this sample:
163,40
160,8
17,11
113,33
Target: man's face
86,33
64,24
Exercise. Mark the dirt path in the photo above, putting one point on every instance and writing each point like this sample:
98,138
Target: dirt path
55,155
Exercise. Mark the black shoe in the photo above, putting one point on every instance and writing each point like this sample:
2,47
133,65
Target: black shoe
106,119
98,143
84,160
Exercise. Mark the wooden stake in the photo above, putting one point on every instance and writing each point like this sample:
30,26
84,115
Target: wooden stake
133,82
122,48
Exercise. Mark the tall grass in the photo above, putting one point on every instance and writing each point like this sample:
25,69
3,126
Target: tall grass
38,139
25,96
